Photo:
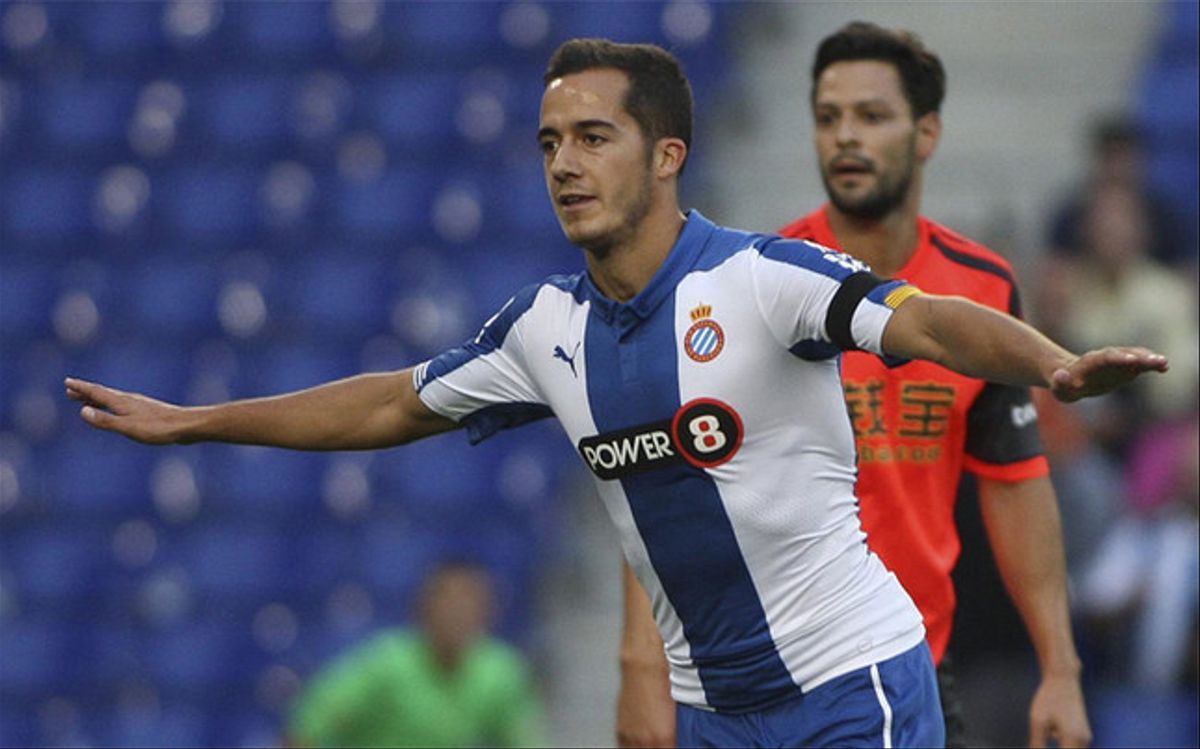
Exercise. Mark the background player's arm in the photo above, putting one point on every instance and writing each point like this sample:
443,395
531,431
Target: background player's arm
979,342
1025,532
357,413
645,710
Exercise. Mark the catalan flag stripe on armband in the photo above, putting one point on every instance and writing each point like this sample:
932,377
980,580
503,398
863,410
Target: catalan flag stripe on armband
900,295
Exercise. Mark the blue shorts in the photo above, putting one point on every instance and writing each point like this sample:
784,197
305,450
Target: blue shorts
890,704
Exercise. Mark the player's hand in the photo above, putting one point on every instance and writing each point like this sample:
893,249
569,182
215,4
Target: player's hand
645,710
1097,372
135,416
1058,714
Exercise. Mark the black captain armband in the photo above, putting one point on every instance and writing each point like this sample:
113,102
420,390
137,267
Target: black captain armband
845,301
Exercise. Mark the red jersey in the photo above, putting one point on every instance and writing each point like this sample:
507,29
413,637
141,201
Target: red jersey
918,425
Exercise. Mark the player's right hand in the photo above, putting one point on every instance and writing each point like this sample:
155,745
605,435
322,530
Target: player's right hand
135,416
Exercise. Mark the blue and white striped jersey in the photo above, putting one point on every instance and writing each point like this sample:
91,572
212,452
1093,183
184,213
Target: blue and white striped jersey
710,409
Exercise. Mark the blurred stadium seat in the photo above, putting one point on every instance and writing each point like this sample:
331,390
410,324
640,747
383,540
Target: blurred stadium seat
27,295
93,476
35,657
208,202
232,565
123,32
46,211
79,116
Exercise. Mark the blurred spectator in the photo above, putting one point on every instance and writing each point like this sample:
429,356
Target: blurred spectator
445,684
1118,160
1113,290
1141,592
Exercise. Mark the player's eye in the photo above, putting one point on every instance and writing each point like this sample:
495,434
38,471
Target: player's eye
592,139
548,146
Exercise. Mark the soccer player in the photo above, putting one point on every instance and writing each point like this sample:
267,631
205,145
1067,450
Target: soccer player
876,96
444,682
696,369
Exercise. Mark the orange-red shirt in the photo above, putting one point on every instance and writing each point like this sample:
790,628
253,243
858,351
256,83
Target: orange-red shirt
918,425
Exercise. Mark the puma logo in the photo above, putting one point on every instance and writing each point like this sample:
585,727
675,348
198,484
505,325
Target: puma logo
560,353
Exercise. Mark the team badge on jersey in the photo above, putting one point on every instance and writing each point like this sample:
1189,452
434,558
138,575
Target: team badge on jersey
705,339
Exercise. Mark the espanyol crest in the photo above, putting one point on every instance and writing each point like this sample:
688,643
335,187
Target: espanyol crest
705,339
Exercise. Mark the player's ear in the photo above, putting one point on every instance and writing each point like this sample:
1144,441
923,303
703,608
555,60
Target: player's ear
929,132
669,155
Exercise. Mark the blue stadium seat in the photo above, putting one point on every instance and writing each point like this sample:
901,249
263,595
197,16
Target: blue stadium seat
215,203
634,23
57,565
236,565
113,654
415,111
394,207
268,483
79,114
441,480
520,201
120,31
336,292
177,724
246,113
45,211
96,475
34,657
18,721
170,297
195,656
27,295
427,30
281,31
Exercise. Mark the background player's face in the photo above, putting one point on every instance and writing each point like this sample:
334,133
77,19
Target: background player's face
866,137
456,608
596,159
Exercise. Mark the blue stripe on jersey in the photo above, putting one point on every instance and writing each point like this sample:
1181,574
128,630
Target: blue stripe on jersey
487,421
811,256
682,521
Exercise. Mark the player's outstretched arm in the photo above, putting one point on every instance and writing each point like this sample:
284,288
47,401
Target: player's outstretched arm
979,342
358,413
645,710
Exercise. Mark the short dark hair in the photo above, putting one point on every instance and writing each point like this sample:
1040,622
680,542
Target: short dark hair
920,68
659,97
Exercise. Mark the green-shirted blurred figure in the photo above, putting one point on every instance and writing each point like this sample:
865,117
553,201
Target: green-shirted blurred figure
446,684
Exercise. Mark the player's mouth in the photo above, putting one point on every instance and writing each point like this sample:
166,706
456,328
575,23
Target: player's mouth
572,202
848,167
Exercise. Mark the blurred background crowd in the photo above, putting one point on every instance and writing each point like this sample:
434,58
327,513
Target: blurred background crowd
203,200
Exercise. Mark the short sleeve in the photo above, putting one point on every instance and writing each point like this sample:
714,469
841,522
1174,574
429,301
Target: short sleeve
484,383
815,296
1003,441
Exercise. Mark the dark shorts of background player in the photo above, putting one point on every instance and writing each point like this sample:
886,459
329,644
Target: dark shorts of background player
952,709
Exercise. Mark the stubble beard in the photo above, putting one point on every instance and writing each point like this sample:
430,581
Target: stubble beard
891,190
601,246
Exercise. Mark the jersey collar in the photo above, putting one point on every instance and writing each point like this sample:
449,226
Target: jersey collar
626,316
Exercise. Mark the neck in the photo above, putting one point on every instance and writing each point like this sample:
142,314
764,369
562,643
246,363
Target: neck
887,243
623,269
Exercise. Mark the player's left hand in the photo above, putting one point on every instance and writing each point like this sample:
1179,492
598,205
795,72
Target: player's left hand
1058,714
1100,371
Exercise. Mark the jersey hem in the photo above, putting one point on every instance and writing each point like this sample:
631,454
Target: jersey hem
902,643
